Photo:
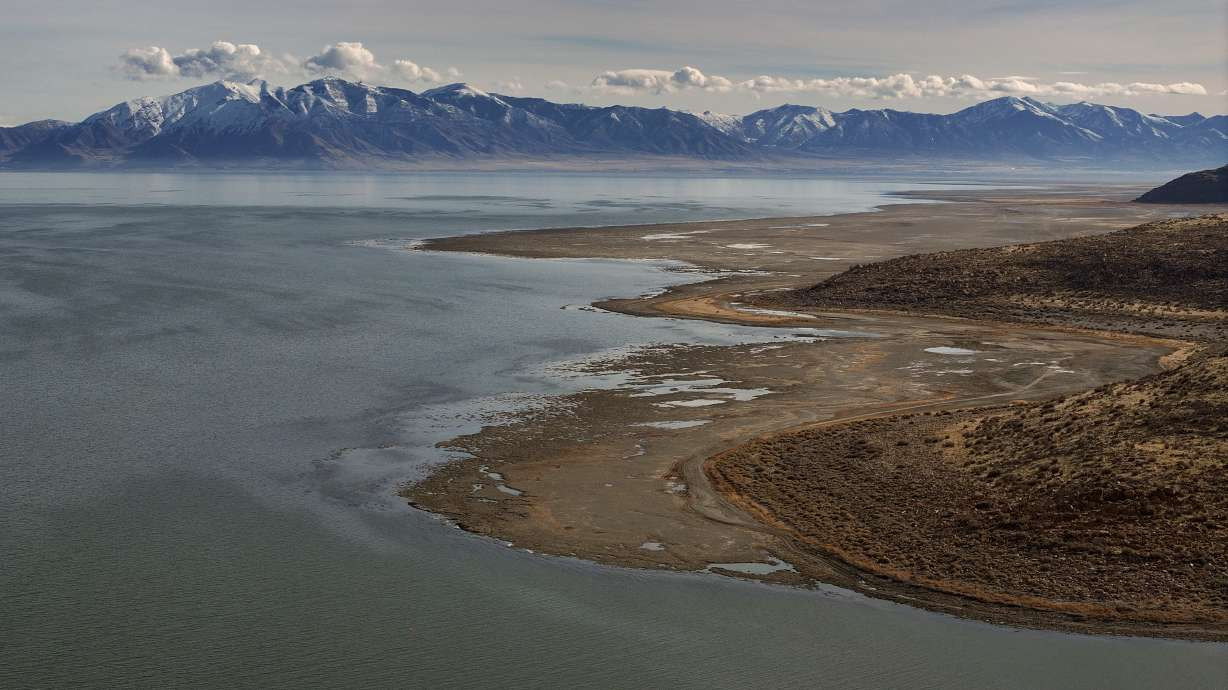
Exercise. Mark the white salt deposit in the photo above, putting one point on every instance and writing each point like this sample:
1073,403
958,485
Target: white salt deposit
944,350
774,565
680,424
701,402
672,235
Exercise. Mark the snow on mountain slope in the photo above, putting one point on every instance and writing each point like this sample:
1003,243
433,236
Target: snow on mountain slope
787,126
457,90
1112,122
147,117
1183,120
729,124
331,121
1007,106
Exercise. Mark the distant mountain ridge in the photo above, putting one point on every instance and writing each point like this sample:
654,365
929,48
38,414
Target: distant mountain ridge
333,123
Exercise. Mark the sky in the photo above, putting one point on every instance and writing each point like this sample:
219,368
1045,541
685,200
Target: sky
66,59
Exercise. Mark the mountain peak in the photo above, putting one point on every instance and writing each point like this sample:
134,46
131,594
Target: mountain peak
460,89
334,82
1005,105
332,120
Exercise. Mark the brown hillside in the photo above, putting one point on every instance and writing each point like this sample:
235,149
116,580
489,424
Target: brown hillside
1167,278
1109,505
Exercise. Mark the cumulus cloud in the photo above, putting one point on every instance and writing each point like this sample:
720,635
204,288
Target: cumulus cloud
933,86
354,60
344,58
627,81
151,62
243,61
557,85
512,85
222,59
411,71
246,61
895,86
963,86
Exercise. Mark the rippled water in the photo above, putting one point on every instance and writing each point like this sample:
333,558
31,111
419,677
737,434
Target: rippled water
210,386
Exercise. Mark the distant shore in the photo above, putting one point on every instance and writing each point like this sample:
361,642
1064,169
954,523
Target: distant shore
624,477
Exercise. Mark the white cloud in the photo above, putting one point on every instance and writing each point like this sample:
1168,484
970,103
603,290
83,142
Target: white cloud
632,80
411,71
246,61
356,61
557,85
512,84
222,59
148,63
345,58
1183,88
963,86
895,86
689,77
628,81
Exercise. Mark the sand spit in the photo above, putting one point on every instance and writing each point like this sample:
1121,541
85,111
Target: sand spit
604,473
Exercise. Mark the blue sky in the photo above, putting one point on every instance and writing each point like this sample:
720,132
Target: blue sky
68,58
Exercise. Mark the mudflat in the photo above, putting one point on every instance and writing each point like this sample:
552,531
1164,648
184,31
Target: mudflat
672,469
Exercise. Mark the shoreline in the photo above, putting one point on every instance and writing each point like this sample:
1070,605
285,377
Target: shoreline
688,524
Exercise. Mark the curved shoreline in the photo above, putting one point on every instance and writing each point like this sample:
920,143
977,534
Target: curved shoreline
709,300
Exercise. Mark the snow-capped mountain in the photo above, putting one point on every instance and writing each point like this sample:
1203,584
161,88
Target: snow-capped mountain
336,123
788,126
1117,123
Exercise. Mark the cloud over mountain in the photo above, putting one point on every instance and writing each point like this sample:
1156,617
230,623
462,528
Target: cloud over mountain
223,59
344,58
409,70
246,61
354,60
627,81
895,86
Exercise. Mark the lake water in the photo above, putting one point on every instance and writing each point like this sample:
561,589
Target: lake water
210,386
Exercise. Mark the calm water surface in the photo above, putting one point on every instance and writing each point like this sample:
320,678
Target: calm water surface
210,386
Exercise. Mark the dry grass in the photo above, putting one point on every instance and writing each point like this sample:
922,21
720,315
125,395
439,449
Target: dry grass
1166,278
1110,504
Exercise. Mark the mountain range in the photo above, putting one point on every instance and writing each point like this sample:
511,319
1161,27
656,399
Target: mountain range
333,123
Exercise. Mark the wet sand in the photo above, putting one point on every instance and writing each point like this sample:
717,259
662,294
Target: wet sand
618,476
